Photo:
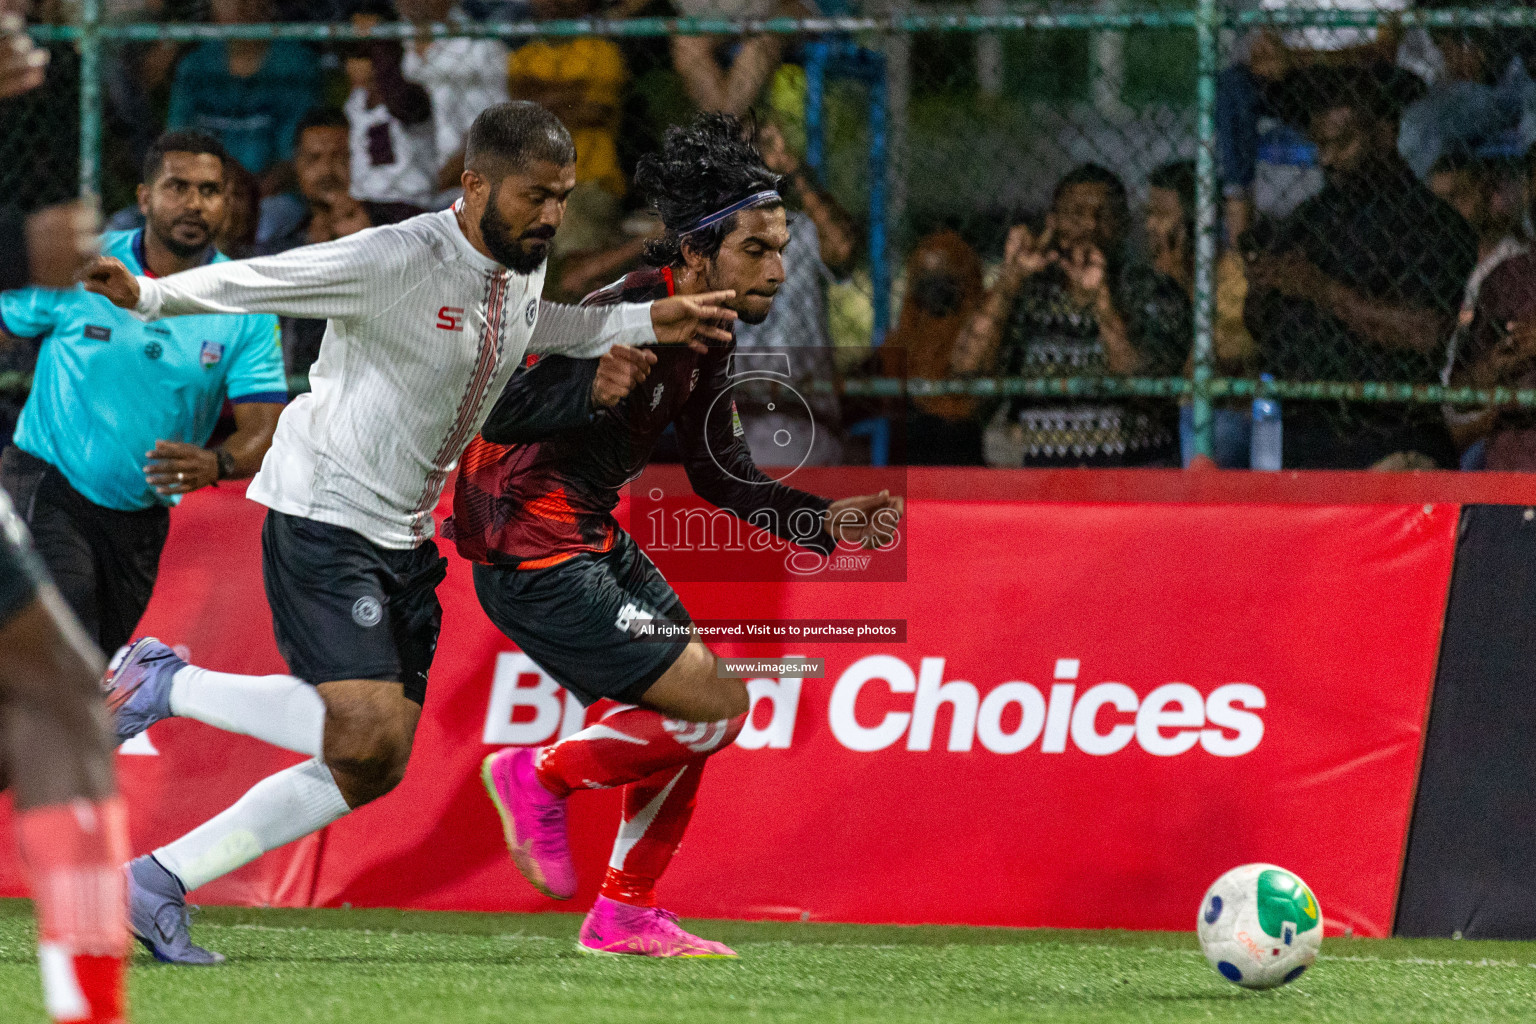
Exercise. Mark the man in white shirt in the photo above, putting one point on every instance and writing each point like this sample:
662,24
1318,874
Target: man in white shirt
462,75
427,321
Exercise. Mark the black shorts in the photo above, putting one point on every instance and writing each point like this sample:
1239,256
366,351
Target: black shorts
20,571
579,619
104,560
345,608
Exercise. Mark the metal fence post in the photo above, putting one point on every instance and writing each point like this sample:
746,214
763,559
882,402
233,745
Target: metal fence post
1206,24
90,100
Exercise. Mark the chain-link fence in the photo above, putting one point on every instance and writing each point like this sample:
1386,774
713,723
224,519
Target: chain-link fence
1044,235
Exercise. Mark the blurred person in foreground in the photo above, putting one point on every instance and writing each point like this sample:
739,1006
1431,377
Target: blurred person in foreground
322,168
97,463
1069,303
55,755
558,575
1362,282
944,290
1169,223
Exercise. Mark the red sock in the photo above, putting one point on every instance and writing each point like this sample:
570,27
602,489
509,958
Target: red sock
74,856
627,747
656,814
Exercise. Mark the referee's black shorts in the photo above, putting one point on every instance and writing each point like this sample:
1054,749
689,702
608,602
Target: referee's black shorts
103,560
345,608
582,619
20,571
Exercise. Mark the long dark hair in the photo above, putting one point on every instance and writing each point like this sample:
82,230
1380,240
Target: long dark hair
704,166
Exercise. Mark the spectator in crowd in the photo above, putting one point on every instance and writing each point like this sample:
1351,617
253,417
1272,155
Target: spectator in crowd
1469,185
728,74
250,93
1170,229
462,77
1256,85
822,243
1491,346
1067,303
113,432
322,166
1498,349
582,81
1361,282
1479,90
943,291
394,156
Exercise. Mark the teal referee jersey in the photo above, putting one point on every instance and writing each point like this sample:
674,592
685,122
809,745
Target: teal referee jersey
108,386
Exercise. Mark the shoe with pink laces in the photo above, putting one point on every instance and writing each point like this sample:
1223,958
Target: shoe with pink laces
533,821
619,929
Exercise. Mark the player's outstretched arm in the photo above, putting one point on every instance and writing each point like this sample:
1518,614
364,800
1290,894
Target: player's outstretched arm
587,332
361,275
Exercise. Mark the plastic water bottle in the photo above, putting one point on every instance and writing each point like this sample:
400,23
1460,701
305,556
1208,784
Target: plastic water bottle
1264,443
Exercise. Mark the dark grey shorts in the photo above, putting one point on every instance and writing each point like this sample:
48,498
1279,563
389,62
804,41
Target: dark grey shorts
578,619
345,608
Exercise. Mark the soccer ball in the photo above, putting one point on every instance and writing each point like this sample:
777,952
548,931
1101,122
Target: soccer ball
1260,926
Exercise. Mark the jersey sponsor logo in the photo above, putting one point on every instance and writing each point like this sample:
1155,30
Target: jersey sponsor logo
367,611
532,312
656,395
154,350
95,333
210,355
450,318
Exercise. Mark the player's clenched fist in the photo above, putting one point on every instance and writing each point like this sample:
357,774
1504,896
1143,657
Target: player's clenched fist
107,276
693,320
868,520
619,371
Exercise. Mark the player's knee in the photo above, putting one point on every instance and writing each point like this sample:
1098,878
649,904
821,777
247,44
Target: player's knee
721,698
370,762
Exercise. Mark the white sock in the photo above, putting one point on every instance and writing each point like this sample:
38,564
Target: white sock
274,812
281,710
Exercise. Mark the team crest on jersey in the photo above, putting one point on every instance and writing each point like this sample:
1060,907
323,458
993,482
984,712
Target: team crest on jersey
656,396
211,354
154,350
532,312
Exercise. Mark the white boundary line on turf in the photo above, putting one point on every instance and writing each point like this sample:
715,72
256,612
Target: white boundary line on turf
1417,961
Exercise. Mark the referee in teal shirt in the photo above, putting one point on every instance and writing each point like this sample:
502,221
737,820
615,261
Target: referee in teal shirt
115,428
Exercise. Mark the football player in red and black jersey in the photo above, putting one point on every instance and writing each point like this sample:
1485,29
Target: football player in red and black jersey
555,572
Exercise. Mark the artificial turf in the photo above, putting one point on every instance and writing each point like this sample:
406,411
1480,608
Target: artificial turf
393,967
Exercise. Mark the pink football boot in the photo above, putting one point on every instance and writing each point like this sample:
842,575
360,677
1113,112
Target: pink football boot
533,821
619,929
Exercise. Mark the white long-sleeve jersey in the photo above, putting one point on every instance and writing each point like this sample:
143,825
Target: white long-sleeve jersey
423,333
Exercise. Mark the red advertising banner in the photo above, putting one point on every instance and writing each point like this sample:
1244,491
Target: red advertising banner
1093,710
